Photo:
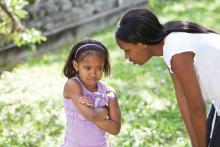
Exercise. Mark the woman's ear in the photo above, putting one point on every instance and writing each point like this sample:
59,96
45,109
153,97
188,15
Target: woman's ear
143,45
75,65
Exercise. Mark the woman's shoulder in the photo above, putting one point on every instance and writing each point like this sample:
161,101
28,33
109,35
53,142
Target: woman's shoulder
185,36
176,43
177,33
179,40
177,36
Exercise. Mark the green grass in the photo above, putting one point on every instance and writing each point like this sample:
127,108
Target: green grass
31,102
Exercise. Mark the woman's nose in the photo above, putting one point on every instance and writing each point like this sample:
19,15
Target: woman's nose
126,56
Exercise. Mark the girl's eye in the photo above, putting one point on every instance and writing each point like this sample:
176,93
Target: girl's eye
100,68
87,68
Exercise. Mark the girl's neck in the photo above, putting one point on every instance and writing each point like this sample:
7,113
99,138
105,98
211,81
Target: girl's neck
92,88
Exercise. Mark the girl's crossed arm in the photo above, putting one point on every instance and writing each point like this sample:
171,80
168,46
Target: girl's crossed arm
72,90
112,125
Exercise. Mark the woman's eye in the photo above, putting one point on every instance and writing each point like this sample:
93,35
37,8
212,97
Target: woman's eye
126,51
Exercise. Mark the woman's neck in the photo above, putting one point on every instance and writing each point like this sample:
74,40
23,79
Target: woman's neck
157,49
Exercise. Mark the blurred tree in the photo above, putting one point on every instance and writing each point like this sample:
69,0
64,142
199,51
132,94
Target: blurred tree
11,28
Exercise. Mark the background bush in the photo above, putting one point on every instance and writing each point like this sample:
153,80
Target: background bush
31,102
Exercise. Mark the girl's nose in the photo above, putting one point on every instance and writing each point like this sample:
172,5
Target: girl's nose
93,73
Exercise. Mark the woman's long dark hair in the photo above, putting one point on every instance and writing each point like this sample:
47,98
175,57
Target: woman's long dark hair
141,25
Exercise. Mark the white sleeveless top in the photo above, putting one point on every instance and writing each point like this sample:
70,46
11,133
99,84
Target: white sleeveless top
206,48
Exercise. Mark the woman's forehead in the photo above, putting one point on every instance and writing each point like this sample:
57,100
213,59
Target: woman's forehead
123,44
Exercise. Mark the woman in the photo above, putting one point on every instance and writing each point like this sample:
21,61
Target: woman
192,54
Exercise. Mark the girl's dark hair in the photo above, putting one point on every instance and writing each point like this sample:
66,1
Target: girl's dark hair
141,25
92,47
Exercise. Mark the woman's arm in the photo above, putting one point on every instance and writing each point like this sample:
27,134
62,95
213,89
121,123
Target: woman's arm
112,125
72,90
184,109
183,68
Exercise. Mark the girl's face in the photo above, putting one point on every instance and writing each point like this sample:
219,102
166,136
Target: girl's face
90,70
137,53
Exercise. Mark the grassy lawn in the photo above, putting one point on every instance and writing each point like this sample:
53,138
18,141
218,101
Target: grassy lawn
31,102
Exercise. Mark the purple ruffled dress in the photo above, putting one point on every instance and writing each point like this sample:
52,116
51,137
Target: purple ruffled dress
79,131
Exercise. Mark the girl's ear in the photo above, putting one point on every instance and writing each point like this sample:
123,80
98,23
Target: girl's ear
75,65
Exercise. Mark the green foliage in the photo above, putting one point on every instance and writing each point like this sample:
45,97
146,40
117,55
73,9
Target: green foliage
32,111
31,102
11,29
204,12
28,124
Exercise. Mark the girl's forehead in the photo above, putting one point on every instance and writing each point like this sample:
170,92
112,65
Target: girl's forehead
89,53
92,59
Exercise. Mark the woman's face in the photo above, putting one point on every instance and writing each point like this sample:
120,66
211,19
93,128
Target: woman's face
137,53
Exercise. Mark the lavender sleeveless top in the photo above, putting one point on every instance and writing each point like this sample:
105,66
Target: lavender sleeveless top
79,131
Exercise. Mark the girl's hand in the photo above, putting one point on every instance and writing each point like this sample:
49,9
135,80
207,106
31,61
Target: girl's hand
84,100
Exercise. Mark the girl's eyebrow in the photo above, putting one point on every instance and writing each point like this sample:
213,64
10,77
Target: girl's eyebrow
100,66
86,65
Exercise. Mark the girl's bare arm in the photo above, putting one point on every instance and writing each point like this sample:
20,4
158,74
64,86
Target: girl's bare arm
112,125
72,90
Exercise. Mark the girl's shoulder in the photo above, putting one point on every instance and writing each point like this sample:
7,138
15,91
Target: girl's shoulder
72,82
106,87
71,86
109,89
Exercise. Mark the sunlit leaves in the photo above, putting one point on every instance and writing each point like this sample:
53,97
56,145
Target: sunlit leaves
31,103
11,28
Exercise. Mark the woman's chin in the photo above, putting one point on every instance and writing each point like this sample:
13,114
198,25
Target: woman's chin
139,63
136,62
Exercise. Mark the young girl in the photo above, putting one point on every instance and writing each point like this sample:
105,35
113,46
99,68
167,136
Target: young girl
91,107
192,54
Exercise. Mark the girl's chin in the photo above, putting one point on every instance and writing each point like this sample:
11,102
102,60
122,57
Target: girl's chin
92,83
